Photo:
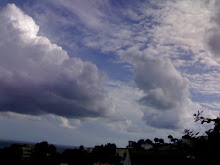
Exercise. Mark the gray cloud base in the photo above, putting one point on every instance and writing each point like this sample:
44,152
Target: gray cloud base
166,91
164,86
38,77
212,37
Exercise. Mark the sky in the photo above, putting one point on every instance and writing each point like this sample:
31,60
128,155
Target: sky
107,71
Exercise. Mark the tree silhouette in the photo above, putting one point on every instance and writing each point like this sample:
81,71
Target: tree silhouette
161,141
76,156
189,134
12,154
105,154
213,143
156,140
172,139
198,117
44,154
148,141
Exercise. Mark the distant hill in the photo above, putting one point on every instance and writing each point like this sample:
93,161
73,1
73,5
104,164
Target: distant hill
8,143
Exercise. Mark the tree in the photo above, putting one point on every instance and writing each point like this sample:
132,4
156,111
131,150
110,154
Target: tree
161,141
156,140
148,141
12,154
213,143
76,156
44,153
172,139
105,154
199,117
189,134
81,148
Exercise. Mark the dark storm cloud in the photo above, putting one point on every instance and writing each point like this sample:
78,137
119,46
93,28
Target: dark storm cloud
213,35
38,77
213,41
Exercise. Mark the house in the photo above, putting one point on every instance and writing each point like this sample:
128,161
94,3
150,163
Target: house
130,144
27,152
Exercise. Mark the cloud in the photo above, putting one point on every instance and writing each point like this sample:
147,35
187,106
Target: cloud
89,13
127,109
63,122
213,34
161,40
212,40
164,86
38,77
152,41
165,91
20,116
